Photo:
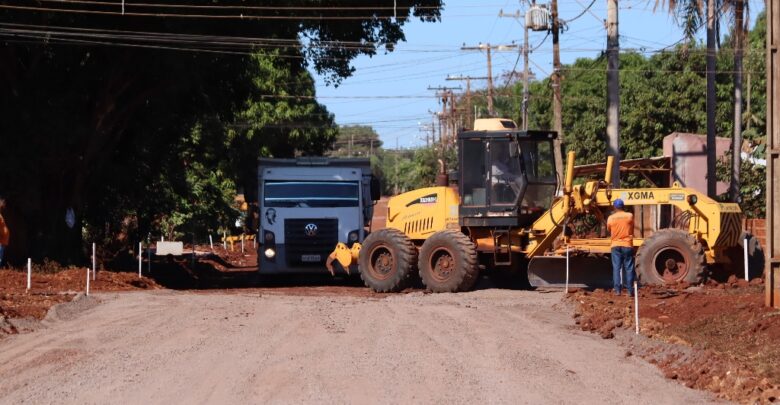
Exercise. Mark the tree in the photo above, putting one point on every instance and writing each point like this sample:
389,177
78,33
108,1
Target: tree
100,103
355,141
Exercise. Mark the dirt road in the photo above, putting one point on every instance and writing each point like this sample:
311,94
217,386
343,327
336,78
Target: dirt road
258,345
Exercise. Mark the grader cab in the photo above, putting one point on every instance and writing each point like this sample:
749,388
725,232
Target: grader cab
506,213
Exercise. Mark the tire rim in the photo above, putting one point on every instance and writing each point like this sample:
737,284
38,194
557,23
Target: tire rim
671,264
381,263
442,264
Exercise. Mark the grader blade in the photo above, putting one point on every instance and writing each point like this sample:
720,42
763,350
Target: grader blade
584,272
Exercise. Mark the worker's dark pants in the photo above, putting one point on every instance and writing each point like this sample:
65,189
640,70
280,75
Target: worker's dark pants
2,251
623,265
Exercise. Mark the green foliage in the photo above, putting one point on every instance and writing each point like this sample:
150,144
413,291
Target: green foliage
355,141
659,94
408,169
752,189
138,138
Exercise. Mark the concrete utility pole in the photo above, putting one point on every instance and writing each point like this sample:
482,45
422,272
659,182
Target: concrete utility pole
772,273
488,48
556,83
468,79
613,90
711,101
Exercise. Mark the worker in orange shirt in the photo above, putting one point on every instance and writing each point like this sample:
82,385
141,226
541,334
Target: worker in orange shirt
621,229
5,234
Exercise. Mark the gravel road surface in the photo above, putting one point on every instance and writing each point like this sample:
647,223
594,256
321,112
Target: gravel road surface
261,346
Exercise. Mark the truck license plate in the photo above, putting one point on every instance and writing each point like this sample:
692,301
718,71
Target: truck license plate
310,258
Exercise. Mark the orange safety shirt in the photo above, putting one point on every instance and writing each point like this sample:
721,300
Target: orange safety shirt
621,227
5,234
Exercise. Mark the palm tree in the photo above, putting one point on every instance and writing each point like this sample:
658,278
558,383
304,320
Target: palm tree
740,28
692,14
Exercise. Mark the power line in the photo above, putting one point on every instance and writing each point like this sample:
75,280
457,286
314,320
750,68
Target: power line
201,6
212,16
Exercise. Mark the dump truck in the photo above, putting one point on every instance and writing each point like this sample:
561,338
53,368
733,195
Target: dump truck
510,210
306,205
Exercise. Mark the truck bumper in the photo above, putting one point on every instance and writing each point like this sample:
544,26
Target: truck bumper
280,265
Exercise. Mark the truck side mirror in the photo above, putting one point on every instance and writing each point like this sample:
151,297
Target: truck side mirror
376,193
513,149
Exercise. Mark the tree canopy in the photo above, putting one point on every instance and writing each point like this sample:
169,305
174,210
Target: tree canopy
149,121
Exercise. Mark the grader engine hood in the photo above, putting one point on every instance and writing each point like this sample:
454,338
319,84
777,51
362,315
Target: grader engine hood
422,212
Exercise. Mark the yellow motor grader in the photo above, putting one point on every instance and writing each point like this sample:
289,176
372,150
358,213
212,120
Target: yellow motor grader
504,213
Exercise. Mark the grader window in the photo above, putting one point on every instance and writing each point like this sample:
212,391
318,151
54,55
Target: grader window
540,170
506,174
473,172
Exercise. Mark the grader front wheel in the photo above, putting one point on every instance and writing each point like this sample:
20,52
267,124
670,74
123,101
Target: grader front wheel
448,262
670,256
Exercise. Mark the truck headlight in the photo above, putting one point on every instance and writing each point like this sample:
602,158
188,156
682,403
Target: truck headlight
270,253
352,237
269,236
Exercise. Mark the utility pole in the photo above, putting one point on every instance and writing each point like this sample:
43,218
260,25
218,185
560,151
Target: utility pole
524,50
428,130
613,90
556,84
397,155
711,101
736,147
525,77
468,79
488,48
772,271
446,118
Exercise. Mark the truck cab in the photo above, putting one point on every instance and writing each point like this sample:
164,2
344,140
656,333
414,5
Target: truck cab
306,206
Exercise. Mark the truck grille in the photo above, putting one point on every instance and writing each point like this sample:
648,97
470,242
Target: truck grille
304,244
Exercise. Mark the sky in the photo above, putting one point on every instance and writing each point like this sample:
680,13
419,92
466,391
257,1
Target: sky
389,91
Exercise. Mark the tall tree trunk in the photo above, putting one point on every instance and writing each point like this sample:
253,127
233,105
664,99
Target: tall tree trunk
739,8
711,101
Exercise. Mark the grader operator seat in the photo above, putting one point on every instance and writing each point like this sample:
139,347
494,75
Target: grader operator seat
507,177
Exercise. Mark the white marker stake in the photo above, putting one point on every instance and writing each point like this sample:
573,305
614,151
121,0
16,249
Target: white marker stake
29,273
567,269
140,258
745,248
94,267
162,238
87,292
149,259
636,306
211,243
224,241
242,243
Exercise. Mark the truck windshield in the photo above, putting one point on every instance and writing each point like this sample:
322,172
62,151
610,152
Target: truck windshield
311,194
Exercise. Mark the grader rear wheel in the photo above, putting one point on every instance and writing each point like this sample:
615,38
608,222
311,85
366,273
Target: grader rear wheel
386,260
670,256
448,262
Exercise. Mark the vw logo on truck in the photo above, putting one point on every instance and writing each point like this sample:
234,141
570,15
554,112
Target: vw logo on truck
310,230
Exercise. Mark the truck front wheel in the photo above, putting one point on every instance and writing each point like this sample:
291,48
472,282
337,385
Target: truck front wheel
386,260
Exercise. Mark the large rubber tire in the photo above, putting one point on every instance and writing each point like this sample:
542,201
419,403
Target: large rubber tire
386,260
756,258
448,262
670,256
